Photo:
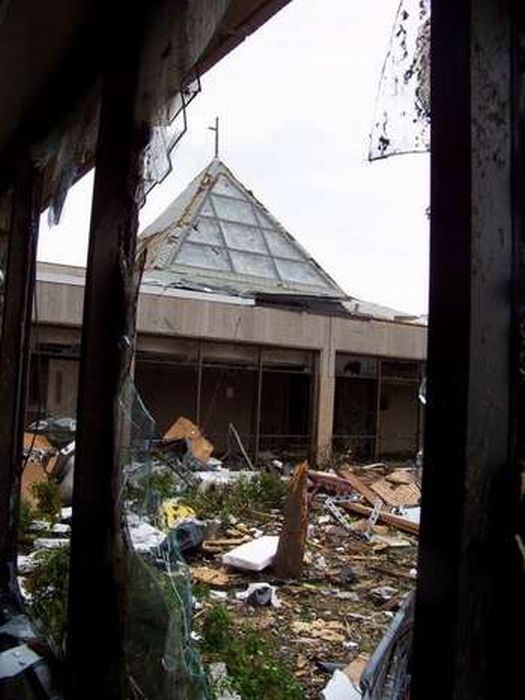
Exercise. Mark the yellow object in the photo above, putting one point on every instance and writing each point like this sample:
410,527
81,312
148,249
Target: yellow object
172,512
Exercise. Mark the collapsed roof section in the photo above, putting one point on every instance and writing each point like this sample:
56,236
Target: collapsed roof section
217,236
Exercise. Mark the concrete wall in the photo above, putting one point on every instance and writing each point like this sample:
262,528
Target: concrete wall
191,315
167,316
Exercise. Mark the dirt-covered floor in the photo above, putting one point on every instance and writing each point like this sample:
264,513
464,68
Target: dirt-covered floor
336,612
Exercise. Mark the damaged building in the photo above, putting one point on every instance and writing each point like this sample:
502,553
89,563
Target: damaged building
85,84
239,326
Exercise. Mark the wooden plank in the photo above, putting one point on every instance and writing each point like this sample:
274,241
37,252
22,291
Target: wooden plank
397,494
359,486
387,518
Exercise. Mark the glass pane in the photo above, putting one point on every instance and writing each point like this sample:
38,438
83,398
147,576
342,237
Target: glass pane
281,247
233,210
207,209
205,231
355,366
248,264
398,369
206,256
263,220
303,273
243,237
224,186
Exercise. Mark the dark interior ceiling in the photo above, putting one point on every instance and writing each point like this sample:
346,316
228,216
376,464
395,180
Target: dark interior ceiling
51,53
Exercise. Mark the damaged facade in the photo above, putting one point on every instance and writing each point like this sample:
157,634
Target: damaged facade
60,60
238,325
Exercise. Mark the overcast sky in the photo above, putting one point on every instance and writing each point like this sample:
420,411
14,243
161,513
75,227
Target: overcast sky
296,103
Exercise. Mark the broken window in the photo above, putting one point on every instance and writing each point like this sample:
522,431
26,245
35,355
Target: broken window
402,112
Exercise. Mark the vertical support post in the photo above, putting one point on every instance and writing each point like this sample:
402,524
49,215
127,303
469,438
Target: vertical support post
518,338
325,395
98,576
312,406
470,573
199,383
379,386
258,405
14,355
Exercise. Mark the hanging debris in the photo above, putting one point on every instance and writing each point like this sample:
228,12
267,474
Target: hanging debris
402,113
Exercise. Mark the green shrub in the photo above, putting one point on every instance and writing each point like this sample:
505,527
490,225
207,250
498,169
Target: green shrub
152,488
263,492
25,518
48,586
250,660
49,501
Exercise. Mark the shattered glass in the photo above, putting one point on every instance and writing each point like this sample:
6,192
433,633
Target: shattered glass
402,112
68,152
387,674
175,40
169,128
162,657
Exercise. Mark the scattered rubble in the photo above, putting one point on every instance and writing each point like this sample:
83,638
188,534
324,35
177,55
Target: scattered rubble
338,552
184,429
358,567
260,594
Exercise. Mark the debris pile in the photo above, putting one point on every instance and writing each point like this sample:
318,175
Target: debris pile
313,567
350,543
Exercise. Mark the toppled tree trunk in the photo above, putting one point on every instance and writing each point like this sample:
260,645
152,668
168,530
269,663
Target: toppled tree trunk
290,551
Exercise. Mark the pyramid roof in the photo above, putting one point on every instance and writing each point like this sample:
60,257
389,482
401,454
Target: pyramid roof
217,236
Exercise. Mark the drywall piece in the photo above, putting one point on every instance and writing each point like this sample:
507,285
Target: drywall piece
253,556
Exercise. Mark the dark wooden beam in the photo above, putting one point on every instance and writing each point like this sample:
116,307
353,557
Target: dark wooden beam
98,578
14,355
258,404
468,609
